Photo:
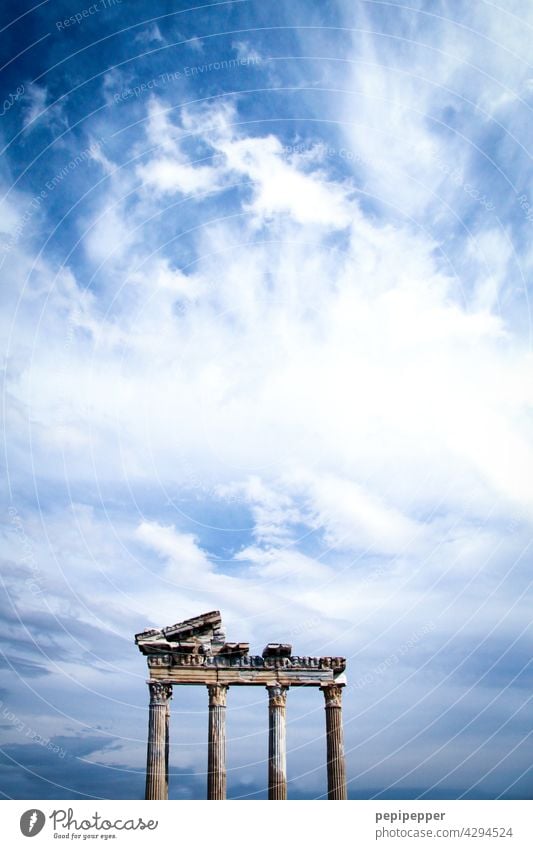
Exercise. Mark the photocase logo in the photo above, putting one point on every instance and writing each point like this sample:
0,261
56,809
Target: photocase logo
32,822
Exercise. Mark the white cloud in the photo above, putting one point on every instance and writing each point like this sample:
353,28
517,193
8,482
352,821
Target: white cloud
281,188
196,44
298,355
494,251
166,175
280,184
170,170
419,103
264,594
37,112
37,97
150,35
189,562
356,519
246,52
109,236
330,377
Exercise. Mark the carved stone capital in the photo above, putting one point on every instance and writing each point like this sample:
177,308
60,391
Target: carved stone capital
277,696
160,694
217,694
333,695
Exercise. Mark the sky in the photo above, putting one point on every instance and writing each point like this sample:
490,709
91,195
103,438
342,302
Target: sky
266,348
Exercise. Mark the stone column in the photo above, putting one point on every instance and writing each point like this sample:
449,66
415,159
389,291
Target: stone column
335,743
277,749
157,756
216,748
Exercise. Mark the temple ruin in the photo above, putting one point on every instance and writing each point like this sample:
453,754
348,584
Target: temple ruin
196,652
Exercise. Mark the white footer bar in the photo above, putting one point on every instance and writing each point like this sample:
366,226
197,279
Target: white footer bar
252,824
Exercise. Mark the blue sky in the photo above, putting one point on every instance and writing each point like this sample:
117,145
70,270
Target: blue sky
267,348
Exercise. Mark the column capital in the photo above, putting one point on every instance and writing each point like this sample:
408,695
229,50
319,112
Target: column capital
277,695
333,695
217,694
160,694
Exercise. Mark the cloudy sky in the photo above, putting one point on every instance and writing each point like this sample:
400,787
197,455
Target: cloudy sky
266,345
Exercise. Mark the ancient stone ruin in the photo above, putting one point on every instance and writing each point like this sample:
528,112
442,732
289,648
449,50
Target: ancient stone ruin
196,652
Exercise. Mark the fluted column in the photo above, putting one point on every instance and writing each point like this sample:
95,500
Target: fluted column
216,749
335,742
277,748
158,741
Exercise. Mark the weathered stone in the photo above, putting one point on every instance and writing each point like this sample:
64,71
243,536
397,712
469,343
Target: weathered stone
277,650
195,627
158,741
195,651
148,634
235,649
247,669
216,750
277,747
335,742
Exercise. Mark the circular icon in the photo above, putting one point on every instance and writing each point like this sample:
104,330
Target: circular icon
32,822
